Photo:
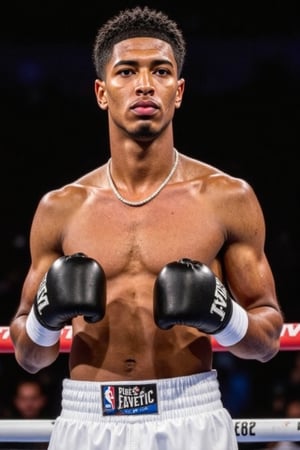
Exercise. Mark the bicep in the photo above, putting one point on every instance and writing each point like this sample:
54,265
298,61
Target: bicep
246,267
249,276
44,249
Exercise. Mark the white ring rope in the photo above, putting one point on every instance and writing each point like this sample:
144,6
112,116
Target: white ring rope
247,430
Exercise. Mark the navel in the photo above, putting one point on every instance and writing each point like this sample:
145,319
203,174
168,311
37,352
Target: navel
130,364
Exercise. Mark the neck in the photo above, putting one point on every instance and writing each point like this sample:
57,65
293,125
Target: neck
141,202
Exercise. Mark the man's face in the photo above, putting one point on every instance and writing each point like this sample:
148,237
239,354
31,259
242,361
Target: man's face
141,90
29,400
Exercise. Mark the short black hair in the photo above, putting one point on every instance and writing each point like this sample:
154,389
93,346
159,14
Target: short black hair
137,22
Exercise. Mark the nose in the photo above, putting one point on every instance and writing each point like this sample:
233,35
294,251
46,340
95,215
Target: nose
144,84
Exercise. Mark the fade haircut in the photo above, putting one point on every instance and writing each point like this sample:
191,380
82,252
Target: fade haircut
137,22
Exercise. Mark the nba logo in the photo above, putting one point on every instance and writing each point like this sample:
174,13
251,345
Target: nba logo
109,398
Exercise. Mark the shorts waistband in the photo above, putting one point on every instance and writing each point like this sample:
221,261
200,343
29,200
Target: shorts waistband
197,394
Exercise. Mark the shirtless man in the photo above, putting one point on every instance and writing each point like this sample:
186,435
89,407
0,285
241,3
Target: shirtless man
148,256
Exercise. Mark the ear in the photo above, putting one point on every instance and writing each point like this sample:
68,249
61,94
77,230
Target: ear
179,94
100,94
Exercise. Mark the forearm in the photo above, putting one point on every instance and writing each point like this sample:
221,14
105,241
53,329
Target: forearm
262,340
74,285
30,356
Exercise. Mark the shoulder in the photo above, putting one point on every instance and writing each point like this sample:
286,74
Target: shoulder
56,210
232,199
73,194
63,199
213,180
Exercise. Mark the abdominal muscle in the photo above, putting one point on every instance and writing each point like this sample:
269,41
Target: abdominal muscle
127,344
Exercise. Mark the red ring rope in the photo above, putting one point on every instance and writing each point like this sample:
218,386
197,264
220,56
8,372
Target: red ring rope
289,340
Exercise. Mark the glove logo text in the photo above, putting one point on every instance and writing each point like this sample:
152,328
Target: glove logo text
42,298
219,304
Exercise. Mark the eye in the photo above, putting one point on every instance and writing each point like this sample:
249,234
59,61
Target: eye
126,72
161,72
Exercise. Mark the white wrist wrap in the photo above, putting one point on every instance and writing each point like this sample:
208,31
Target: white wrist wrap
236,328
39,334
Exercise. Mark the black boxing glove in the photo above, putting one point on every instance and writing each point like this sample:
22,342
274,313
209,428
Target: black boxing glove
74,285
187,292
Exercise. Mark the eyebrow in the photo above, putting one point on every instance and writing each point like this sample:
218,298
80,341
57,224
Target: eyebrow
132,62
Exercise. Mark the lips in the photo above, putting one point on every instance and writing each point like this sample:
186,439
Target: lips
144,111
147,108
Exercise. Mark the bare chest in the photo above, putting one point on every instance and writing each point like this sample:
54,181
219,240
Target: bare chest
143,239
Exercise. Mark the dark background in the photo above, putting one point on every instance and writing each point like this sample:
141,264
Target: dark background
240,112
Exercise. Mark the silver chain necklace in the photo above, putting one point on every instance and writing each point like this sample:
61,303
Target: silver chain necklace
150,197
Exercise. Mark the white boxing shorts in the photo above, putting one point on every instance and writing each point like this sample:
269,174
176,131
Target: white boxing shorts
166,414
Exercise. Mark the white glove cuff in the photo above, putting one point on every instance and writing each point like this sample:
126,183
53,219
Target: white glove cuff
39,334
236,328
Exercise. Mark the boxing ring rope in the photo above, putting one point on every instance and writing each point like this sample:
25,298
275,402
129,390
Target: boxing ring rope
289,339
247,430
